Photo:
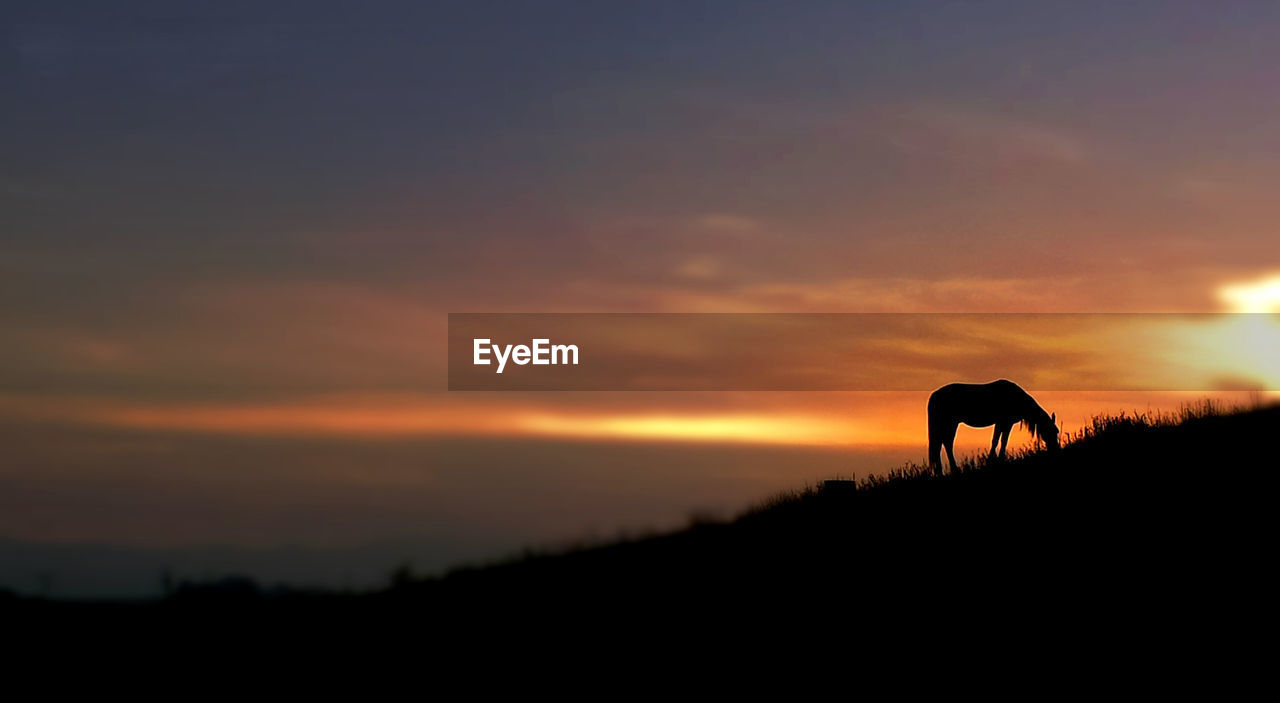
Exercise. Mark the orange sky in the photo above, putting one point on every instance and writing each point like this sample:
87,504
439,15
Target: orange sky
233,237
1231,347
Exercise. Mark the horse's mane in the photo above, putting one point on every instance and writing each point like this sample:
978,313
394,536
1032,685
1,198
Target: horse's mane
1037,422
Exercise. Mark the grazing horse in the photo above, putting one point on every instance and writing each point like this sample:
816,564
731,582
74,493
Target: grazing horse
1001,403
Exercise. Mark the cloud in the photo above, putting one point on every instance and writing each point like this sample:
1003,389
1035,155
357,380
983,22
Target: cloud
949,130
388,416
904,295
727,223
699,268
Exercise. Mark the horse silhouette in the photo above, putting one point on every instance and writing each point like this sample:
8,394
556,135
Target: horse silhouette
1001,403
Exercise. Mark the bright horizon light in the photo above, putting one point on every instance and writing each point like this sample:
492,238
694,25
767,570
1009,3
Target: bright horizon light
1260,296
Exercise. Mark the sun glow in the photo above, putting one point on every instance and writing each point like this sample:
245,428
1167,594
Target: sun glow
1232,352
761,429
1239,350
1255,296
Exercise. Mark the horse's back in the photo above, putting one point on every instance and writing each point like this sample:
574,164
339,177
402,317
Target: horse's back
972,403
1000,386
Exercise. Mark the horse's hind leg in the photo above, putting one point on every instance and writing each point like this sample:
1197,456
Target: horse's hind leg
1000,438
940,436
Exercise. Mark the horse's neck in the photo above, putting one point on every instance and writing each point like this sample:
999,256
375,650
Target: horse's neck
1031,411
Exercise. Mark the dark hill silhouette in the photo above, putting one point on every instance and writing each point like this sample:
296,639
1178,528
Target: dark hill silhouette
1120,477
1140,535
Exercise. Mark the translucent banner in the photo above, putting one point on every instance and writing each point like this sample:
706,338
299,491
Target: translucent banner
861,352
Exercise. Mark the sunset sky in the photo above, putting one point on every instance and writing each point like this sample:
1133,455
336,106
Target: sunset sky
232,236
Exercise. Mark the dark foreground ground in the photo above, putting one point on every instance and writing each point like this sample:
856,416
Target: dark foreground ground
1140,542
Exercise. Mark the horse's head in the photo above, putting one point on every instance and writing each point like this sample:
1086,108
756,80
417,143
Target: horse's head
1048,430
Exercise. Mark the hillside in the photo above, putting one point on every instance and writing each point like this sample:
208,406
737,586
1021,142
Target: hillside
1138,528
1135,510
